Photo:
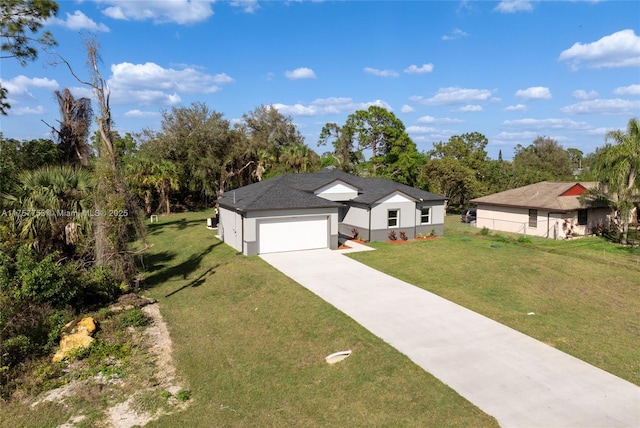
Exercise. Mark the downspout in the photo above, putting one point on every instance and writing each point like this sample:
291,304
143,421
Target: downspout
369,208
415,220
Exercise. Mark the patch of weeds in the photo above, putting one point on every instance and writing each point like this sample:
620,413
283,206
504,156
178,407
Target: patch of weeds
501,238
485,231
525,240
183,395
165,394
103,357
133,318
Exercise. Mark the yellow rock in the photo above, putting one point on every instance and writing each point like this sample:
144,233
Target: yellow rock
75,335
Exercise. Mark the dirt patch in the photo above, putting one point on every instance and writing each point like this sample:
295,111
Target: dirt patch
127,413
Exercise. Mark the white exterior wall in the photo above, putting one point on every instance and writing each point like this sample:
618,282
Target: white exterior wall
357,216
550,225
337,191
396,201
230,228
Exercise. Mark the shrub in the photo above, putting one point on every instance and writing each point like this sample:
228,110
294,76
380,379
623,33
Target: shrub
419,236
403,236
432,233
392,235
355,233
183,395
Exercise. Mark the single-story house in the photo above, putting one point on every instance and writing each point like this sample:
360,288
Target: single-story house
308,211
548,209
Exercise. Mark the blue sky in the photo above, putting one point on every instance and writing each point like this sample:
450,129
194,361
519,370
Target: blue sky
511,70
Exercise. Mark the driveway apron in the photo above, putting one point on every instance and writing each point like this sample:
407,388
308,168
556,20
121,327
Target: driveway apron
518,380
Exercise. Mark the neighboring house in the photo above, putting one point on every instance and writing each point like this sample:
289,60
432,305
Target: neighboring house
548,209
308,211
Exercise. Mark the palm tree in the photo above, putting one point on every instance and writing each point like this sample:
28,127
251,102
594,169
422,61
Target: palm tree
51,206
165,179
617,169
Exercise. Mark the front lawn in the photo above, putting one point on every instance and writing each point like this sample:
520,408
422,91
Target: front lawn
250,343
584,293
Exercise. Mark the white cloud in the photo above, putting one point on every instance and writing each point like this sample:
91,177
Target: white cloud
23,111
421,129
524,135
407,109
381,73
18,87
581,94
327,106
455,34
517,107
454,95
431,119
78,21
248,6
159,11
140,113
620,49
470,108
534,93
606,106
414,69
627,90
300,73
514,6
550,123
150,83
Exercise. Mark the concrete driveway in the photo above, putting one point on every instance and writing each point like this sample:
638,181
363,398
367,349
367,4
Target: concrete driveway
516,379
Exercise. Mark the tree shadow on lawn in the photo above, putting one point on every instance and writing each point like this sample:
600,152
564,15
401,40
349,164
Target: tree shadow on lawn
180,270
196,282
154,262
180,224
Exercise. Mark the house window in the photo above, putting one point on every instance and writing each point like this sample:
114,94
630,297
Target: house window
425,215
392,218
533,218
582,217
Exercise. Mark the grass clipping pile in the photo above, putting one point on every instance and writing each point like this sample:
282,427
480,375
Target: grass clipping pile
128,388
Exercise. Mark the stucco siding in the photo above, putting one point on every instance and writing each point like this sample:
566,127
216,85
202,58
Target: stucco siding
337,191
230,228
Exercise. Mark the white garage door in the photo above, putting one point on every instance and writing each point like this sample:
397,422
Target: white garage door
292,234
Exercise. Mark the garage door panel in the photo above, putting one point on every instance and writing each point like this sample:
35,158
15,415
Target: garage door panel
293,234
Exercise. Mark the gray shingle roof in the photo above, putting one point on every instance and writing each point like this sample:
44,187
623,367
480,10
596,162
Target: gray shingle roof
544,195
293,191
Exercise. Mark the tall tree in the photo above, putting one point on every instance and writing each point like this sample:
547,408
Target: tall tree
20,22
343,152
461,160
268,132
116,208
76,117
617,169
544,159
299,158
379,131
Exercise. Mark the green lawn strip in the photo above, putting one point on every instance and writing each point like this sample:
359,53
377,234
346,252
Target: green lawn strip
250,343
586,308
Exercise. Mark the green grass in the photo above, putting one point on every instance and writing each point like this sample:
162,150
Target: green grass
585,293
250,344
